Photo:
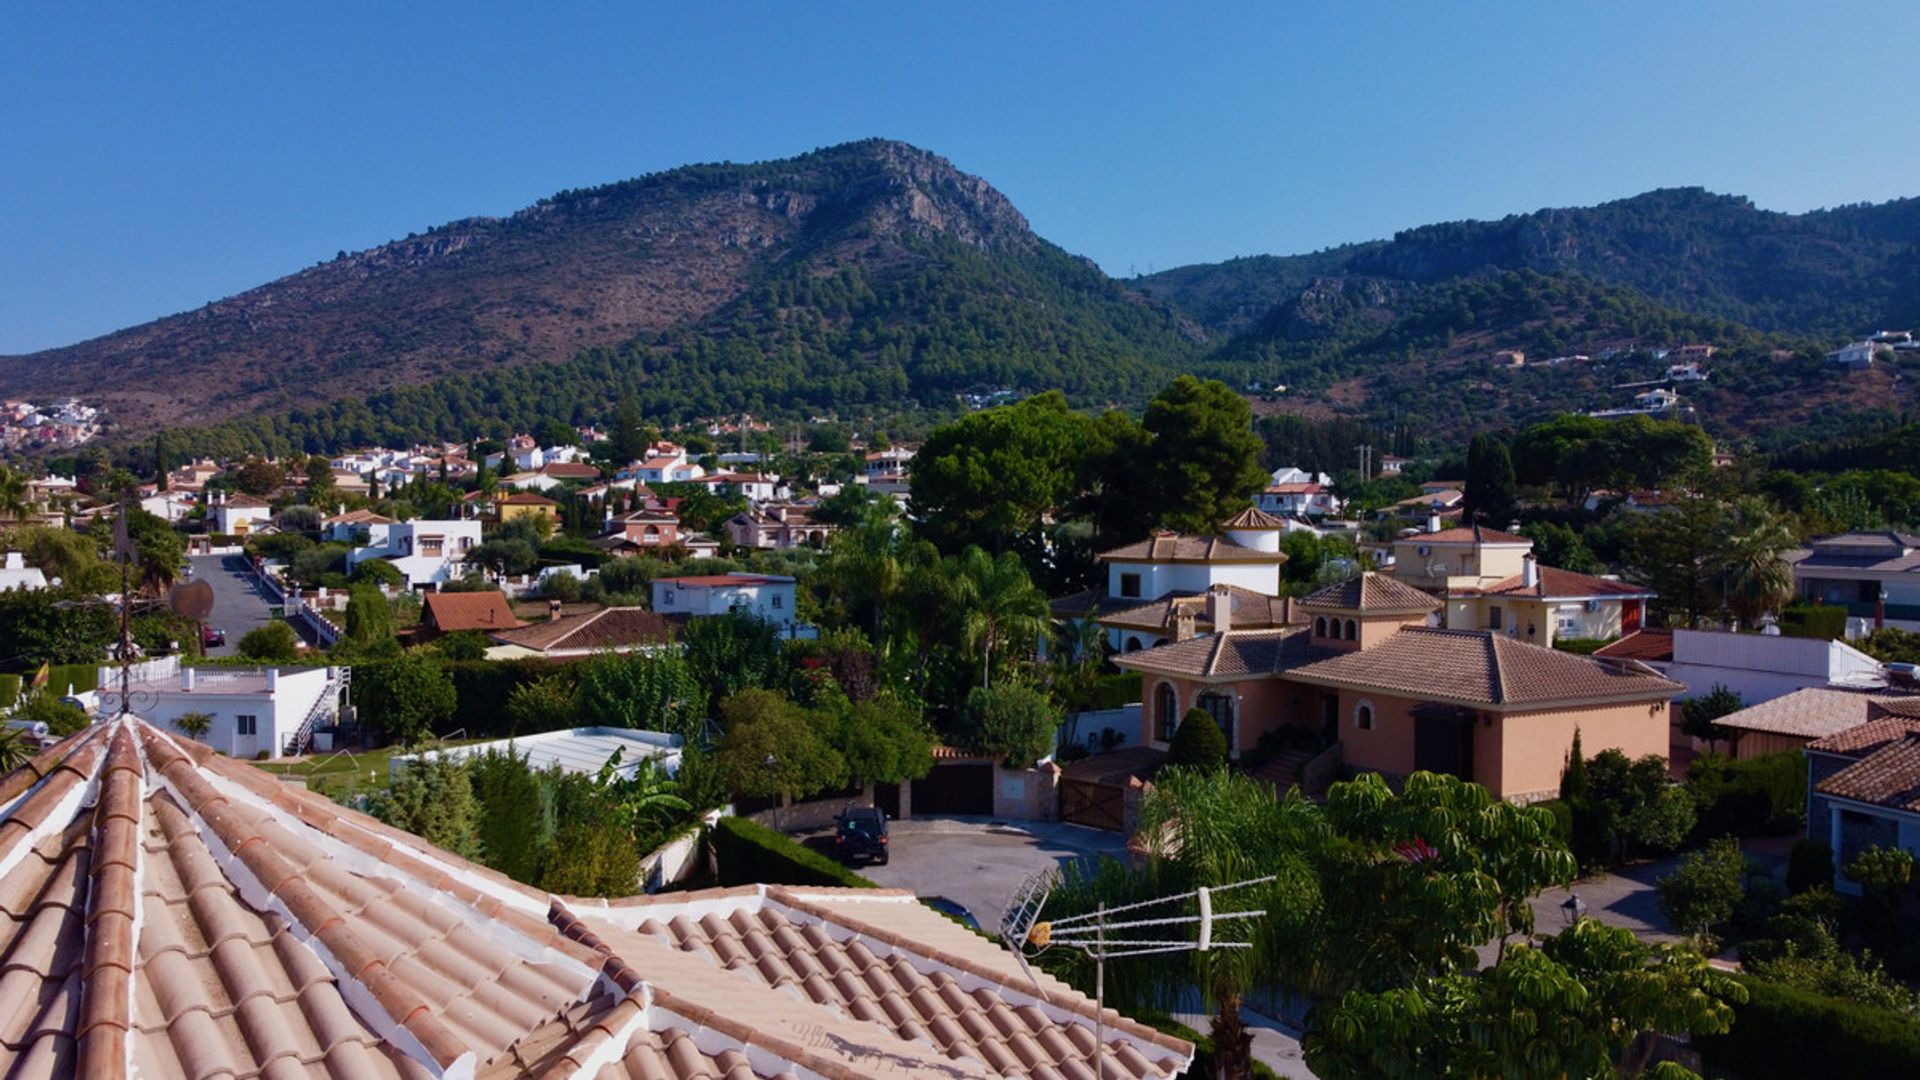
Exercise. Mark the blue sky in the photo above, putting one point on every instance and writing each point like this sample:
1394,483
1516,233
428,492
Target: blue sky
152,160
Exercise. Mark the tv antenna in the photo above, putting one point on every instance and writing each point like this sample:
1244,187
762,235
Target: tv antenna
1147,931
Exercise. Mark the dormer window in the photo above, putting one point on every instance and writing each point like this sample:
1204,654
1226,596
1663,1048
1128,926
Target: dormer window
1130,585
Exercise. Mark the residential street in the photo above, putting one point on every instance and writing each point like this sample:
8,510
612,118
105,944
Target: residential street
238,603
978,863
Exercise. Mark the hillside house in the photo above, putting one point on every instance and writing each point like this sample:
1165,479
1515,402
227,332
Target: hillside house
426,552
1299,498
1232,578
240,515
16,574
779,526
570,637
1858,356
486,611
1864,787
267,711
1489,580
1874,575
767,597
1758,667
1368,675
519,504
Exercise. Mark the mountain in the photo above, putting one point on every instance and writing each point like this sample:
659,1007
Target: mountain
875,278
873,264
1829,273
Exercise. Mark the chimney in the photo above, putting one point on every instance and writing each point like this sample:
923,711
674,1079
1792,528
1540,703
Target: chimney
553,609
1529,571
1220,609
1433,518
273,679
186,679
1183,624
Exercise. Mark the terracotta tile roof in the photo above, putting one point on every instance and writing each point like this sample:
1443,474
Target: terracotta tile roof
1812,712
1255,518
608,628
1867,737
1901,706
524,498
1371,592
361,516
570,470
1300,488
1639,645
166,912
452,612
1173,547
1471,534
1234,654
1554,582
1889,777
1482,667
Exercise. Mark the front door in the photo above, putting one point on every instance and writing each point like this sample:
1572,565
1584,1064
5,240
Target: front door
1630,616
1444,745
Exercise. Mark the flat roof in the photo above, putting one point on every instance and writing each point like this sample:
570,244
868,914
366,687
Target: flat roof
577,750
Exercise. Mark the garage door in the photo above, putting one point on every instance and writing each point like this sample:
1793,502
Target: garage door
954,789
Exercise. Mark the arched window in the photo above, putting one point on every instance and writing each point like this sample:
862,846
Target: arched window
1220,707
1319,626
1363,716
1133,644
1166,712
1353,630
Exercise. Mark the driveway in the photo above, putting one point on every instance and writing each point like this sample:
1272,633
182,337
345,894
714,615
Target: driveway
979,862
239,605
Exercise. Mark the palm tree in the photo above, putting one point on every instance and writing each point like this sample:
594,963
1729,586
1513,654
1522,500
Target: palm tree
15,496
1212,828
868,566
1756,579
193,725
1001,604
15,750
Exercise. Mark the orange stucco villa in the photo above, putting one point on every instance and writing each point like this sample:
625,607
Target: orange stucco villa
1397,695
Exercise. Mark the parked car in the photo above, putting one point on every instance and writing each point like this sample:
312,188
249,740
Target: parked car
952,910
860,832
211,636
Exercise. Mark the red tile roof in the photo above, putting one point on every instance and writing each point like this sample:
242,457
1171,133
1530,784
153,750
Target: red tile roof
1370,592
452,612
1172,547
1254,518
1639,645
1483,667
607,628
1889,777
200,918
1470,534
1555,583
1812,712
524,498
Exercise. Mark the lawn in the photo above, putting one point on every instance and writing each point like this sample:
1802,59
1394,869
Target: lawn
347,772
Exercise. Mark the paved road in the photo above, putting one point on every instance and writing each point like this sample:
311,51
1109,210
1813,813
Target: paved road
978,863
238,603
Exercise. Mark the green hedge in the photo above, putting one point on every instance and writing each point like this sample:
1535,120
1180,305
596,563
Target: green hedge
1562,818
482,686
82,677
1585,646
1751,795
746,853
1782,1031
9,690
1825,621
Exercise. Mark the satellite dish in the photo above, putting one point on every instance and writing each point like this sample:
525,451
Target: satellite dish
193,600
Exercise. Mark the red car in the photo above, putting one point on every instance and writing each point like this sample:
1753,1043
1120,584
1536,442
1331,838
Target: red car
211,636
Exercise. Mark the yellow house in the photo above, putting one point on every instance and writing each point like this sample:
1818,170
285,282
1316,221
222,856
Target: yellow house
1489,580
524,504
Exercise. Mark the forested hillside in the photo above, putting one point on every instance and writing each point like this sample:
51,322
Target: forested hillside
875,279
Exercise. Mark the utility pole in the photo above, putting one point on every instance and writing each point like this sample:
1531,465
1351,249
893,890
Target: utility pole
1366,463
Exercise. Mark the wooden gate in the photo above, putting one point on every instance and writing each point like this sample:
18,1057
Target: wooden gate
1094,804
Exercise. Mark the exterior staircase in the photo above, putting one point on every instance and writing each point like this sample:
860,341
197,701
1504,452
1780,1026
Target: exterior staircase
1283,769
327,704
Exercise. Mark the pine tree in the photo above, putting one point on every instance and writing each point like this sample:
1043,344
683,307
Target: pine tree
1573,782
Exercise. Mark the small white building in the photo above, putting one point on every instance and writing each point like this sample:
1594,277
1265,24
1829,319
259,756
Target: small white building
1758,667
253,711
16,574
427,553
769,597
240,515
1855,357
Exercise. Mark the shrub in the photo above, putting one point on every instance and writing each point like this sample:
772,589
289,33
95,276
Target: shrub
1562,818
1782,1031
9,690
747,853
1198,743
1814,621
1013,723
1704,889
273,643
1809,865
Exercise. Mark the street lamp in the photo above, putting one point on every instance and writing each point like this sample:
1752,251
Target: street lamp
1574,909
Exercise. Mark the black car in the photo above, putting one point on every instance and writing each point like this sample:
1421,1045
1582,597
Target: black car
860,832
